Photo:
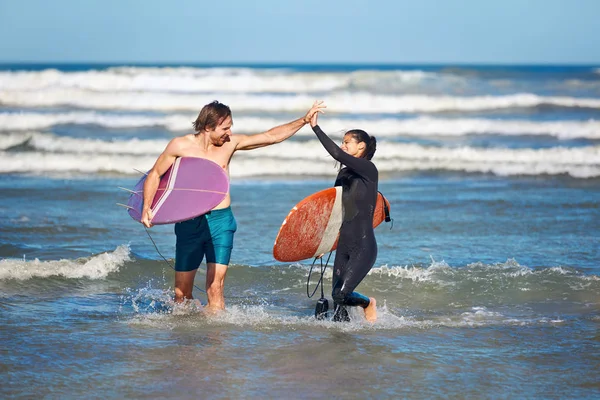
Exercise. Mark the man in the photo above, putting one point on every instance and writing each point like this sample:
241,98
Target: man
210,234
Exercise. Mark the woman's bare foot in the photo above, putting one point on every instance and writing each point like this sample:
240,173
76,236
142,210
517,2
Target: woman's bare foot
371,310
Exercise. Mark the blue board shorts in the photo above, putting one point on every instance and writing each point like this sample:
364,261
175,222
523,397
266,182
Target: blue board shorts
209,235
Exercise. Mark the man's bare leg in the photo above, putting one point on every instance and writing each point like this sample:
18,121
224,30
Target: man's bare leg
184,285
371,310
215,281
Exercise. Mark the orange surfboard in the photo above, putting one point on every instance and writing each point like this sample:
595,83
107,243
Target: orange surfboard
312,227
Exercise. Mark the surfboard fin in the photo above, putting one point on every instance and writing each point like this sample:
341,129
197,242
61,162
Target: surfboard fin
130,191
126,206
141,172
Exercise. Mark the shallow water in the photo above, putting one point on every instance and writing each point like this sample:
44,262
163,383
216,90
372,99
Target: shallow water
488,282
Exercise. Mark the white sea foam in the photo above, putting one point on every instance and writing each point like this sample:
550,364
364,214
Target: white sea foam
41,163
48,142
415,274
312,149
269,317
338,102
420,126
481,316
198,80
442,273
16,121
64,154
96,267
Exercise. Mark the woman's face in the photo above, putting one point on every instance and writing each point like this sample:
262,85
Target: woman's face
351,146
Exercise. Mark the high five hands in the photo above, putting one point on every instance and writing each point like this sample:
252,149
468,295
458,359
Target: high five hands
312,114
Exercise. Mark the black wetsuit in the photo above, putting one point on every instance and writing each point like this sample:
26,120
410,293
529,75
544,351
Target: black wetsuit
357,248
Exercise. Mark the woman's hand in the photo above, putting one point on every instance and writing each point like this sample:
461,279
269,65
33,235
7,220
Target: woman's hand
312,114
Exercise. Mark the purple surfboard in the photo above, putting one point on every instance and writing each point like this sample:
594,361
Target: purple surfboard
191,187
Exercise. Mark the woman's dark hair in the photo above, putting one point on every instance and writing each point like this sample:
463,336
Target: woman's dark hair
361,136
210,116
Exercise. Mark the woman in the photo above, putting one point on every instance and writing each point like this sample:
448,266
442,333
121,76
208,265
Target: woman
357,248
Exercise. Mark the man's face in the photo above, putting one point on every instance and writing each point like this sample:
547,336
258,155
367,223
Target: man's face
222,132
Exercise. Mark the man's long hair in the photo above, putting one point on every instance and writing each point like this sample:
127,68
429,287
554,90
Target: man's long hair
211,116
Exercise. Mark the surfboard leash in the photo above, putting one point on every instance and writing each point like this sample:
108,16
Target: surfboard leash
163,257
322,304
320,282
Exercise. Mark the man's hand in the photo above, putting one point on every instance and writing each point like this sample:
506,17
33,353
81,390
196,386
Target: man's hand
311,115
147,218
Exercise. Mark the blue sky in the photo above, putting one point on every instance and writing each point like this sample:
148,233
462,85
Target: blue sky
295,31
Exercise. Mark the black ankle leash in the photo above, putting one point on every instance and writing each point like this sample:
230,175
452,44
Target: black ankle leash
322,304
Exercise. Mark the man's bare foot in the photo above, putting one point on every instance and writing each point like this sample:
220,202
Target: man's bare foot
208,310
187,306
197,304
371,310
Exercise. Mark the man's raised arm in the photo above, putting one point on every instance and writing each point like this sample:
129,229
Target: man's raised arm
279,133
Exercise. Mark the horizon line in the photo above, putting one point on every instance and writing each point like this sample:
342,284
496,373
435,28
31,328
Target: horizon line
308,63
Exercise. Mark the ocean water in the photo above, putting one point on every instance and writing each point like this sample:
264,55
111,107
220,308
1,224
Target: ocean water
488,280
